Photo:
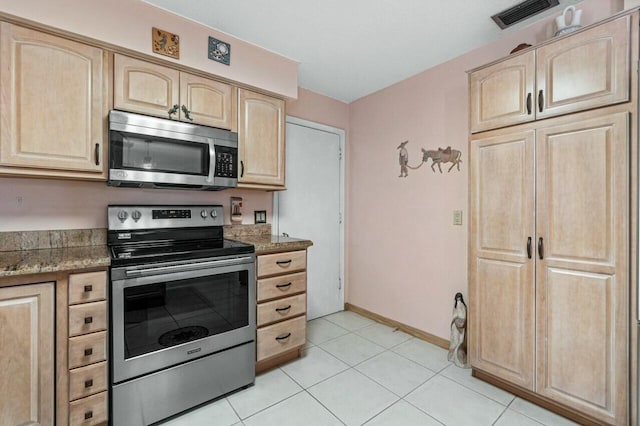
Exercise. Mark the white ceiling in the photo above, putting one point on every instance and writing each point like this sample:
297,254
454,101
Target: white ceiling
348,49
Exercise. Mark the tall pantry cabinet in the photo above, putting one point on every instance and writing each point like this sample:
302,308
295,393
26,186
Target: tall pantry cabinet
551,201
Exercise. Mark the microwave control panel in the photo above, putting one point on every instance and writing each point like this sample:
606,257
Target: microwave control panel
226,159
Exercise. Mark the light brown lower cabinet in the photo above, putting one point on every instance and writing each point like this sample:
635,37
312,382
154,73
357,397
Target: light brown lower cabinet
549,262
92,410
281,307
87,365
27,328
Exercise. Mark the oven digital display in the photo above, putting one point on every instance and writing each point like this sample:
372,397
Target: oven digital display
171,214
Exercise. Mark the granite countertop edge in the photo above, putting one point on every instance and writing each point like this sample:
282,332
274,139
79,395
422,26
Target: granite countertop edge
274,243
69,259
40,261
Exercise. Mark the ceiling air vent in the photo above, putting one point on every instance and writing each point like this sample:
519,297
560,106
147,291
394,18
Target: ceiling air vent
522,11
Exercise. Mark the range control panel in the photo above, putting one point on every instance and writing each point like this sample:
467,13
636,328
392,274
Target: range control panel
123,217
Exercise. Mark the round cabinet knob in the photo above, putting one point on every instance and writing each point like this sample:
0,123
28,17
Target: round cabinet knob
203,213
136,215
214,214
123,215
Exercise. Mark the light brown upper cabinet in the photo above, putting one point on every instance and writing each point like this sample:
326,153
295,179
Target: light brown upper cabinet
575,73
261,142
152,89
54,103
549,259
502,94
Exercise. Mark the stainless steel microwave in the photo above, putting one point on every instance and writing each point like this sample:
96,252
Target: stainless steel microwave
152,152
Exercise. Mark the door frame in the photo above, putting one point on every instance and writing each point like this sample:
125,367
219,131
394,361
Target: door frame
275,212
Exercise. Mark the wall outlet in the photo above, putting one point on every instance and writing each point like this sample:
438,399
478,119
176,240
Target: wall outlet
457,217
236,212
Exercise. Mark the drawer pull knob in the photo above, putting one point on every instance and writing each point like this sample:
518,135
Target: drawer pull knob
88,415
88,288
282,338
88,351
284,309
283,262
88,320
283,286
88,383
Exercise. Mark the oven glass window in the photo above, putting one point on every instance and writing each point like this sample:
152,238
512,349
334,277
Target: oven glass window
162,315
158,155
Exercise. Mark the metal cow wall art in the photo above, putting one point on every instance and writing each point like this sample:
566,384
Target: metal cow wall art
438,157
446,155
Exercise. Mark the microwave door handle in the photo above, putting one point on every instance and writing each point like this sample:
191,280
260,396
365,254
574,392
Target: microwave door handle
212,160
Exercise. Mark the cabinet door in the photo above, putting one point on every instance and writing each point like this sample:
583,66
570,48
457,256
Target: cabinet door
502,94
582,270
146,88
209,102
584,71
26,359
501,271
53,98
260,139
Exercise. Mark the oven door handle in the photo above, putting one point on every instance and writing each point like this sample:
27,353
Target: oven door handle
187,267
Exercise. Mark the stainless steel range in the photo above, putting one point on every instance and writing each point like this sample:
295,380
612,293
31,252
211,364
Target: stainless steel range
182,311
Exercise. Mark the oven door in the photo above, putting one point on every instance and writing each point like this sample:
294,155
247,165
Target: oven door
166,314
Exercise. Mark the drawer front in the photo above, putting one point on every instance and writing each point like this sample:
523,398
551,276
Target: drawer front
87,287
282,263
285,285
87,318
281,309
281,337
87,349
85,381
91,410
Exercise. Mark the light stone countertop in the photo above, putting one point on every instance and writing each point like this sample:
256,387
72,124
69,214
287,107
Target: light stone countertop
33,252
260,236
275,243
35,261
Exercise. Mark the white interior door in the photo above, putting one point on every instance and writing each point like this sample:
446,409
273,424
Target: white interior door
311,208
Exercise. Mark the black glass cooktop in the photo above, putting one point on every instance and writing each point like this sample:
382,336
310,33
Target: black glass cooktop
166,251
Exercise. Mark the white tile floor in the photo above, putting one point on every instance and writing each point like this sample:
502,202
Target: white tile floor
355,371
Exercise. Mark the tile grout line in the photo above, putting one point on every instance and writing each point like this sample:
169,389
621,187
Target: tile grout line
420,409
326,378
272,405
474,390
325,407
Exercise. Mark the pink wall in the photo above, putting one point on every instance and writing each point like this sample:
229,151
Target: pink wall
319,108
34,204
128,23
40,204
406,259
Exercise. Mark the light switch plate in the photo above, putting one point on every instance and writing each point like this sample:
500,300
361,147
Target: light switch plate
457,217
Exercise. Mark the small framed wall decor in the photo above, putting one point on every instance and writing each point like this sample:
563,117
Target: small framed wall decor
166,43
219,51
260,216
